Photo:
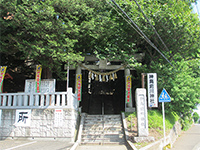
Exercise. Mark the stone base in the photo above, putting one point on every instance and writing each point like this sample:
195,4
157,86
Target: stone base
130,109
144,139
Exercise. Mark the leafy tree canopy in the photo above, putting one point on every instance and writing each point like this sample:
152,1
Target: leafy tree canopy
50,32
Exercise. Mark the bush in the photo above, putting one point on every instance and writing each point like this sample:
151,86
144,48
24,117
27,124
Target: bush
195,117
186,121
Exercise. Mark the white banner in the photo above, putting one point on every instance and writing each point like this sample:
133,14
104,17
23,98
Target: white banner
152,90
23,117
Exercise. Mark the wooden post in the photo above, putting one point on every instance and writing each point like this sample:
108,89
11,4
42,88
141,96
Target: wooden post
143,82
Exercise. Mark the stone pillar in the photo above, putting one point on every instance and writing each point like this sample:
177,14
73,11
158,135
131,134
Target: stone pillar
128,106
78,71
142,119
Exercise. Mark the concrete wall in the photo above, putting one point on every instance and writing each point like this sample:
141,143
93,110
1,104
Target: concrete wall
42,124
170,139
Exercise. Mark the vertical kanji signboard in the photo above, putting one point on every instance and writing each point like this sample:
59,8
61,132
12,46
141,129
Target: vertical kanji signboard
2,74
152,90
79,86
38,78
128,89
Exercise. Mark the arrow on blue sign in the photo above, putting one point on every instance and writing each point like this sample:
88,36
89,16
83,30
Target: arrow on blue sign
164,96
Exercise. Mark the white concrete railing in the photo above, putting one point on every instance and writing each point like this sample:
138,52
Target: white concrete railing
38,100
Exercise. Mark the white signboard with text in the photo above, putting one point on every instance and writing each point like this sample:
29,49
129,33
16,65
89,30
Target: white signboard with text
23,117
58,118
47,85
152,90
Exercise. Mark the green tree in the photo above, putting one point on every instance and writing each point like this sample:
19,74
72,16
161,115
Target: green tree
44,31
184,86
179,28
50,32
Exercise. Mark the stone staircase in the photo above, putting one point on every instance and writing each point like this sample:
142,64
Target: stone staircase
102,129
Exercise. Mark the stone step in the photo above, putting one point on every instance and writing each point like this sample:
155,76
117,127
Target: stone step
106,129
101,125
103,121
91,136
100,129
104,143
102,132
111,117
100,140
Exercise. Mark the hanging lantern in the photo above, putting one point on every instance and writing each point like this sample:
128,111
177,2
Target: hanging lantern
92,76
115,76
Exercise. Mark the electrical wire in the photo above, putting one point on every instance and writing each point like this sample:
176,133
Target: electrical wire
142,34
151,25
154,29
125,19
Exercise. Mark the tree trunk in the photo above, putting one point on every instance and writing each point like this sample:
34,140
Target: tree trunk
46,73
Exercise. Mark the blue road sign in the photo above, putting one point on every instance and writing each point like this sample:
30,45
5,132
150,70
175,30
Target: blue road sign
164,96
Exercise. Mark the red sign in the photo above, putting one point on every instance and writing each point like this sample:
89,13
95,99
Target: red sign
128,89
38,78
79,86
2,74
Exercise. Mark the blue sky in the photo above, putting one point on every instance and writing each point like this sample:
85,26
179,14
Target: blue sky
196,8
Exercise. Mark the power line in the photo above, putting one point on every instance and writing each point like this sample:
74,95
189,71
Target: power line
151,25
154,29
125,19
141,33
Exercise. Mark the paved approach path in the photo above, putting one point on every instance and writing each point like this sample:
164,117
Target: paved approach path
103,147
188,140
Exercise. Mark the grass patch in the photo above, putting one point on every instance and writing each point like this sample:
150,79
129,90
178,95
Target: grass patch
155,119
155,124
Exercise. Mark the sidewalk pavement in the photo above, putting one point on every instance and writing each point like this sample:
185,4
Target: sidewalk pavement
189,140
25,144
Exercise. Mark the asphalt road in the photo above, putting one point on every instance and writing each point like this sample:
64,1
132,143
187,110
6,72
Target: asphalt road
21,144
188,140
